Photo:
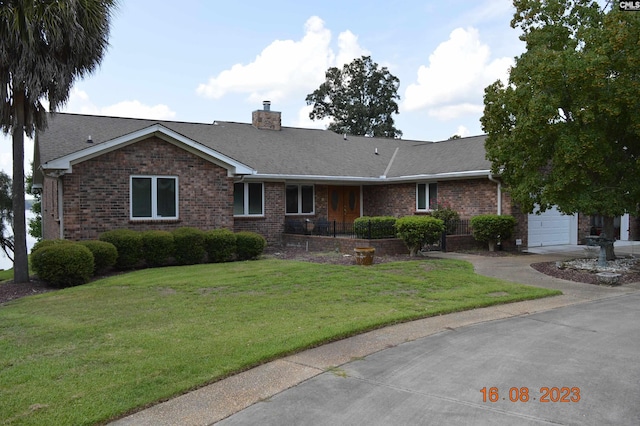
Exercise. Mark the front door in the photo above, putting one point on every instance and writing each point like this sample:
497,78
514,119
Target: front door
344,203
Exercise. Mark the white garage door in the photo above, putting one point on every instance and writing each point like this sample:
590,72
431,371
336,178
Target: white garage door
551,228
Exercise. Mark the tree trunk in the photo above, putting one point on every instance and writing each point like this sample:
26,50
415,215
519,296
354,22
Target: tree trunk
608,231
20,260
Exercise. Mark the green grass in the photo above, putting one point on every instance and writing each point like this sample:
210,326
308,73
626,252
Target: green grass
6,274
87,354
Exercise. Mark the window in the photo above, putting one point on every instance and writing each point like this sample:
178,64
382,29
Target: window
427,196
154,197
299,199
248,199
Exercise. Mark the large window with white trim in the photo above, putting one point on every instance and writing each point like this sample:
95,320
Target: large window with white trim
248,199
426,196
299,199
154,197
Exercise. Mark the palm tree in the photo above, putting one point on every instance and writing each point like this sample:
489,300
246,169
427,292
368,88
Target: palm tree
44,46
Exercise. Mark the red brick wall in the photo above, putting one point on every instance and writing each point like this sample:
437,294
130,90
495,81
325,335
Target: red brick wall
96,194
389,200
271,225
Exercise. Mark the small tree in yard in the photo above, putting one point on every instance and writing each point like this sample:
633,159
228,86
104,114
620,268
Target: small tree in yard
564,130
492,228
417,231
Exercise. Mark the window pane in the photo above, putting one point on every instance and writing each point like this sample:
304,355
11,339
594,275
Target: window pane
292,199
141,197
238,198
422,196
255,198
307,198
166,197
433,195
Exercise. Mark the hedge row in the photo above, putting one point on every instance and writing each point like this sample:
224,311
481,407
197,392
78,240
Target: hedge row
183,246
65,263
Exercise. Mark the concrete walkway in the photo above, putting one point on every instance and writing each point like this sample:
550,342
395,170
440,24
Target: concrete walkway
432,371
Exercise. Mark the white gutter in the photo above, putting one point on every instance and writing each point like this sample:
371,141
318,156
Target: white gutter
373,180
60,208
499,193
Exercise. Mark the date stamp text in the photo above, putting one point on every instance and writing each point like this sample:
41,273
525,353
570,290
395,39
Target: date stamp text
524,394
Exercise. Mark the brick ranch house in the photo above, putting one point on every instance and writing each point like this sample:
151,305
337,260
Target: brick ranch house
100,173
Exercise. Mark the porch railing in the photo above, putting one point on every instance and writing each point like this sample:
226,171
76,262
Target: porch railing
368,230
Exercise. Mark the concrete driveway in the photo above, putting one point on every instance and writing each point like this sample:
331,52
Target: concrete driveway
583,359
495,365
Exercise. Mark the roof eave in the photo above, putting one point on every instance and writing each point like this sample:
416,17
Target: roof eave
372,180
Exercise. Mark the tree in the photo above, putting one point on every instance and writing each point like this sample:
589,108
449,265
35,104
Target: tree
6,215
44,46
361,99
564,130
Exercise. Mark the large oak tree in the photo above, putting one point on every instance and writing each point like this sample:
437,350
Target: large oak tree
44,46
360,98
565,129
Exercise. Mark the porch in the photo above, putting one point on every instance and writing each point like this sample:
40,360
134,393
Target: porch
322,235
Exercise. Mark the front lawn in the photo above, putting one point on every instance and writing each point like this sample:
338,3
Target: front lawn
88,354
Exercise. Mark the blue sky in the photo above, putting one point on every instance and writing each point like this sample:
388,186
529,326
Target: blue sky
201,61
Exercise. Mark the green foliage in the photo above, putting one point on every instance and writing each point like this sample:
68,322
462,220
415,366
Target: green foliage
565,129
417,231
129,246
45,47
220,245
492,228
63,265
157,247
6,215
104,255
377,226
48,243
189,246
445,212
249,245
360,98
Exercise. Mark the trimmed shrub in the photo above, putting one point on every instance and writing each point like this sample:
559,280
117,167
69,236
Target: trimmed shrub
220,245
157,247
129,246
379,226
417,231
189,246
249,245
104,255
48,243
492,228
448,215
63,265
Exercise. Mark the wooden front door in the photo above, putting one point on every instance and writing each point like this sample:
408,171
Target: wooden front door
344,203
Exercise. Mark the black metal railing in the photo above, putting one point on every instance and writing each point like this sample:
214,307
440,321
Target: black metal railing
458,227
364,230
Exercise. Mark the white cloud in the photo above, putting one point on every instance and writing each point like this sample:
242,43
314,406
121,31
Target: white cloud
448,112
453,83
463,131
80,103
305,122
286,68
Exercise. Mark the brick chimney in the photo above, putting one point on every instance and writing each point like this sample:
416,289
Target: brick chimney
265,119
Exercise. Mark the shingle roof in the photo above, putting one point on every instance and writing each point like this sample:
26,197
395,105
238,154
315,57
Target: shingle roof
289,152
